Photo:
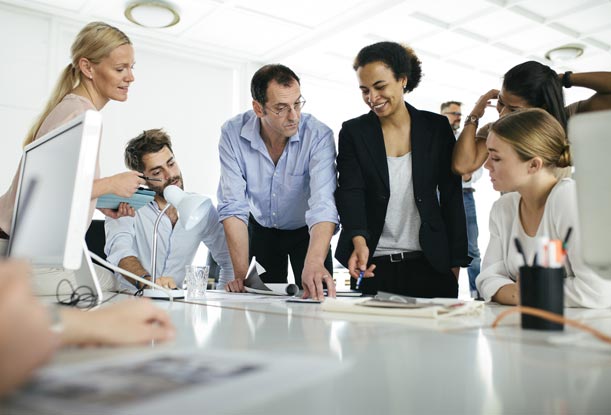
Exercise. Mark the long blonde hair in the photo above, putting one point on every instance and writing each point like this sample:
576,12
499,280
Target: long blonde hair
94,42
533,133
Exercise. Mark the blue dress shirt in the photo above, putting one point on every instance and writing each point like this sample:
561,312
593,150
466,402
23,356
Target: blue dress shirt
176,247
298,191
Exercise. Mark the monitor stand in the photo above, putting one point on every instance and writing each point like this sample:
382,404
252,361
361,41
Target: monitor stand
87,276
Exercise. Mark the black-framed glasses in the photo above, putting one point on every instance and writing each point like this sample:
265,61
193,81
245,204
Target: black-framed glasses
282,110
455,113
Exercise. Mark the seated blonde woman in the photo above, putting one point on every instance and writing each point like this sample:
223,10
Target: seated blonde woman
525,148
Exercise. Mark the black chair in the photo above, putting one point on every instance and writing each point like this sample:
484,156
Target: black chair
96,239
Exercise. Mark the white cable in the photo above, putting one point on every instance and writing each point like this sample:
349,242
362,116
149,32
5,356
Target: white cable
131,275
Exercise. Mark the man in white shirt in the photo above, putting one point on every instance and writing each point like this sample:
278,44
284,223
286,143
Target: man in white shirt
129,239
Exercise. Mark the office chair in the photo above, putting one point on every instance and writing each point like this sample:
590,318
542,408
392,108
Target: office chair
96,239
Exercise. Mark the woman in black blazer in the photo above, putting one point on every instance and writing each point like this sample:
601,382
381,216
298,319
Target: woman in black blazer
400,204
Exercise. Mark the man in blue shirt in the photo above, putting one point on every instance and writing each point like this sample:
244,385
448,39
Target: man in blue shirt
276,188
129,239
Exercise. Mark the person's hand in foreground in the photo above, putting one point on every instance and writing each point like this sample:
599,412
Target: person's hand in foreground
133,321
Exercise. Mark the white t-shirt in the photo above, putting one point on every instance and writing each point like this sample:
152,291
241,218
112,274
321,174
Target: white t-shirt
582,288
402,223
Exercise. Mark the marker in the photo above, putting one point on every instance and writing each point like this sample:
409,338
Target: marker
150,179
360,279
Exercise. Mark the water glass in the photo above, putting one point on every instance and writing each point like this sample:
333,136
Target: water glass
196,280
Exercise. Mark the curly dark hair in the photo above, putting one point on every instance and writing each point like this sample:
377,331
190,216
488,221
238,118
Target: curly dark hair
149,141
401,60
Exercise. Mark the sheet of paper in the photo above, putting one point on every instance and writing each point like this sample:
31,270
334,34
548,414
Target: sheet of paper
254,284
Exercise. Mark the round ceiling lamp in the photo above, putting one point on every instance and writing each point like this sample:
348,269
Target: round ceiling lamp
154,14
564,53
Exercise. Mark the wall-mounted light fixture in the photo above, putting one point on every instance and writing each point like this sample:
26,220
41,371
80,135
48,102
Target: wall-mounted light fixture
153,13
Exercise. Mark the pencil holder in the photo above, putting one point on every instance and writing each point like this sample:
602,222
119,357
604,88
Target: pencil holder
542,288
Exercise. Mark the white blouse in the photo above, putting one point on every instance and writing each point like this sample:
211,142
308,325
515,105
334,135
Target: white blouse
582,287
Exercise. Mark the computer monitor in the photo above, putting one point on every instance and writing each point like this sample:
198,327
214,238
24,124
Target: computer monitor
590,138
53,198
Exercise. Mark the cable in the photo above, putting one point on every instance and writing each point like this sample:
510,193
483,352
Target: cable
85,300
553,317
131,275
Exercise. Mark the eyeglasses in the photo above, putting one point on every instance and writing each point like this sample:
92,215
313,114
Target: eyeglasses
282,110
455,113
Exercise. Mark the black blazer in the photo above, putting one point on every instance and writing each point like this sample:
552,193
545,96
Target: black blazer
364,190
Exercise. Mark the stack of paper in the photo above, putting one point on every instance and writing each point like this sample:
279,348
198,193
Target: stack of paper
423,307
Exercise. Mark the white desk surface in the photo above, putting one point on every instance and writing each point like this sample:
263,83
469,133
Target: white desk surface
397,365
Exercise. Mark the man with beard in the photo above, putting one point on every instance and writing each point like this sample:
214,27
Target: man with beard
128,239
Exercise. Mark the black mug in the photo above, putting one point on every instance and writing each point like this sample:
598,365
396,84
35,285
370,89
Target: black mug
542,288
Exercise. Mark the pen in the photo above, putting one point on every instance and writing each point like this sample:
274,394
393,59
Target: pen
360,279
566,238
150,179
520,250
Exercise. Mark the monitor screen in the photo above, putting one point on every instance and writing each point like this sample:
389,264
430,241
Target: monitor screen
590,138
54,193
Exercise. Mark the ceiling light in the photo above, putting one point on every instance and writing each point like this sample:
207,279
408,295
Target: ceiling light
564,53
157,14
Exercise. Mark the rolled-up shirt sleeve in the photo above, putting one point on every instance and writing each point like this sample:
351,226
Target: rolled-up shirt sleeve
231,193
120,239
214,239
323,181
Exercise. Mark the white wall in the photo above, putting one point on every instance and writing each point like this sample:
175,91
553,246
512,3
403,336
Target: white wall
189,96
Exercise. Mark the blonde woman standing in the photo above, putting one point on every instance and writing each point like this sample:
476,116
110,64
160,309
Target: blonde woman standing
101,70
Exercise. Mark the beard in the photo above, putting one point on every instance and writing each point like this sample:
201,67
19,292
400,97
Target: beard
158,189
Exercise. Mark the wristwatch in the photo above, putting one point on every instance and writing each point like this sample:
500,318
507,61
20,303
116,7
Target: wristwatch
472,119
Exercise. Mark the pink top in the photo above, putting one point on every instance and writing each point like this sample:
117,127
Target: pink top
71,106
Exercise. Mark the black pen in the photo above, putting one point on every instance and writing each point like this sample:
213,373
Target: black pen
150,179
520,250
566,238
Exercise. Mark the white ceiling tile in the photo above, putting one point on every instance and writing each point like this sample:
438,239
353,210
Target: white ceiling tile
587,18
536,37
397,27
450,10
307,13
444,43
243,32
550,9
489,58
346,44
496,24
72,5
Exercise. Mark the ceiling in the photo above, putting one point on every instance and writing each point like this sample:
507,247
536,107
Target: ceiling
465,45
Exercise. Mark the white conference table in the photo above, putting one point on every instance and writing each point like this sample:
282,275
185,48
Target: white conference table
380,365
